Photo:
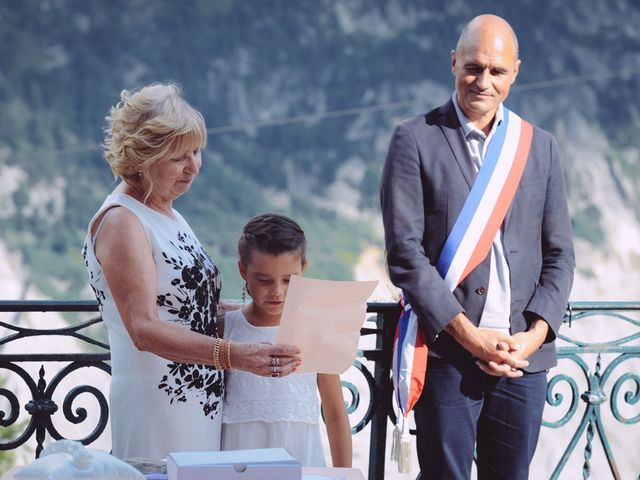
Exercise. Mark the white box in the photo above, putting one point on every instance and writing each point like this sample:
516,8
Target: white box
259,464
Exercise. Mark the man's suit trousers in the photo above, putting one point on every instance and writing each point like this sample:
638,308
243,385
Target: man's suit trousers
462,408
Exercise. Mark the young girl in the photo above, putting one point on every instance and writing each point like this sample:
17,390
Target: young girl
263,412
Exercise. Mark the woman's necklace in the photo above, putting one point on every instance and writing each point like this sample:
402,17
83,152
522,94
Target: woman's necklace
168,211
136,192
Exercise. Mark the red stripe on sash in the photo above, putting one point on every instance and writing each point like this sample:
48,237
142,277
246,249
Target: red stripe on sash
504,200
418,371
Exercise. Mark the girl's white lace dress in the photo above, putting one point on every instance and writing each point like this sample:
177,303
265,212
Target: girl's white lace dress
264,412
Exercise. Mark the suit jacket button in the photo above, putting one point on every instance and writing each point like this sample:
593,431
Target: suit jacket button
481,291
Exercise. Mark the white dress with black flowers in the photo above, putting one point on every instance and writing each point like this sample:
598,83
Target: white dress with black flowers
155,405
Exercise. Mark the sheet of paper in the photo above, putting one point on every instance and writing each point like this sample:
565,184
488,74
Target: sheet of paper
323,318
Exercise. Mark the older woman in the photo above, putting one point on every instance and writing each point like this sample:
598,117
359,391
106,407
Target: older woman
158,290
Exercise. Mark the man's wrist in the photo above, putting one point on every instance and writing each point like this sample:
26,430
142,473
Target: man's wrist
539,328
456,325
462,330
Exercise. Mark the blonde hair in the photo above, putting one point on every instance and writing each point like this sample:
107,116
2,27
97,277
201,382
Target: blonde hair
149,125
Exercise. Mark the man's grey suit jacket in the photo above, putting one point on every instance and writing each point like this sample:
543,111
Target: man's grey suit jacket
427,176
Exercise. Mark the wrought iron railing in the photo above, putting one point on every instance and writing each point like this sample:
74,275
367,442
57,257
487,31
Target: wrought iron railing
609,367
40,405
601,383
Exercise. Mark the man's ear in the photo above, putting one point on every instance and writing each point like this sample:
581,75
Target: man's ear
453,61
516,70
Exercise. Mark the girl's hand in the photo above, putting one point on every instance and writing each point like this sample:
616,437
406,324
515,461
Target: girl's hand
265,359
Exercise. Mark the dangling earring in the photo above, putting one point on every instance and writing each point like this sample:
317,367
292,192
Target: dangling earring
245,292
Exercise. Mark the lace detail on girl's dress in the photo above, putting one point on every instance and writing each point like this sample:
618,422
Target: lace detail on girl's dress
250,397
270,411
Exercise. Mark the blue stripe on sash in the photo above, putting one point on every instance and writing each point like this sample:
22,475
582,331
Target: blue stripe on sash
473,200
402,332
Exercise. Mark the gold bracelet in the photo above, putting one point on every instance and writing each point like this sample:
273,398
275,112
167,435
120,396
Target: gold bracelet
229,354
216,354
221,356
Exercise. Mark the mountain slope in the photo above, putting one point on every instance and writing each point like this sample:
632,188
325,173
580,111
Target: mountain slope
300,99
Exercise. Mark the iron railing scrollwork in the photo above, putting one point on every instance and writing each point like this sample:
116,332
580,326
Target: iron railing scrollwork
41,405
602,380
598,381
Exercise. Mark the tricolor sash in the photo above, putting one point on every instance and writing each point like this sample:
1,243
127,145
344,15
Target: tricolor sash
486,206
409,366
467,245
409,362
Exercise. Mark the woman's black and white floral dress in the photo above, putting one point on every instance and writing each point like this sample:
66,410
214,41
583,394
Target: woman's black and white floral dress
156,405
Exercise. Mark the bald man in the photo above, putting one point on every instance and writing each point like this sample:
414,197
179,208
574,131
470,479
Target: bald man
478,237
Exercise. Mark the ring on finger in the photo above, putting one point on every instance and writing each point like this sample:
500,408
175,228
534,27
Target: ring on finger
275,361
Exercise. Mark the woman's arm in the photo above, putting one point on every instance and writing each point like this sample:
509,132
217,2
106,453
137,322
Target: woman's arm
123,250
336,419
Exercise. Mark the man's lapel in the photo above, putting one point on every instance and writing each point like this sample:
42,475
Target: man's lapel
452,130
